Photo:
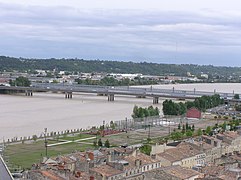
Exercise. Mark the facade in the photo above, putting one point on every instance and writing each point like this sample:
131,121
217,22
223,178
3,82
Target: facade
193,113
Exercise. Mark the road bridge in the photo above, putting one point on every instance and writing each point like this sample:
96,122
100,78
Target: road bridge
111,91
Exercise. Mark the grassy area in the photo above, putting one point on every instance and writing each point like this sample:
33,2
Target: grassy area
25,155
75,137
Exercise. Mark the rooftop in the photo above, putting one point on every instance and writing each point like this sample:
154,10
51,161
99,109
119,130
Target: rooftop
106,170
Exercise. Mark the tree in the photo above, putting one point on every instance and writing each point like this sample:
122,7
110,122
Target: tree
176,135
187,126
183,129
35,137
199,132
193,127
100,143
95,143
236,96
135,112
112,125
107,143
208,130
146,149
20,81
189,133
224,126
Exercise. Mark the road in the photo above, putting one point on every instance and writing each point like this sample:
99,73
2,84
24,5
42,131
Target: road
4,173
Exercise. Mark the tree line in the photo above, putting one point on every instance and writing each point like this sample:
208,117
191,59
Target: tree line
111,81
140,112
80,65
201,103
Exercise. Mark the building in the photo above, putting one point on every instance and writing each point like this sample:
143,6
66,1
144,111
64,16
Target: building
193,113
183,155
173,173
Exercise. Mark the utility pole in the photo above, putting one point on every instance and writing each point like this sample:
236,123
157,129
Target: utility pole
103,130
45,142
126,124
149,132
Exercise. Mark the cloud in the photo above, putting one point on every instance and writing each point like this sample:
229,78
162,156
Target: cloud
64,31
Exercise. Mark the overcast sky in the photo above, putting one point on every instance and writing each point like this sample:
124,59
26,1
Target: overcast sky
162,31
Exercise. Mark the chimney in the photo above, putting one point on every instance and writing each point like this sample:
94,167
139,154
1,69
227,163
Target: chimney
212,142
91,155
109,158
201,146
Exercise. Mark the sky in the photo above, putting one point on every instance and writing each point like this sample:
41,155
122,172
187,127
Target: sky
160,31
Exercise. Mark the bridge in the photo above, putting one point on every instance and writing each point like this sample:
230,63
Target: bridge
111,91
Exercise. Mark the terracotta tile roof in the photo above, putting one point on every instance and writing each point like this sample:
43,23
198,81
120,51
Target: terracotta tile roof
79,155
106,170
51,175
181,172
236,157
182,151
202,145
131,159
213,170
66,159
231,134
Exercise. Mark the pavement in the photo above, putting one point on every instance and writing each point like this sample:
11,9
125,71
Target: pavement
4,172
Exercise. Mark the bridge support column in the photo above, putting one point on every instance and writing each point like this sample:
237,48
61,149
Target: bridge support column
111,97
155,100
68,95
28,93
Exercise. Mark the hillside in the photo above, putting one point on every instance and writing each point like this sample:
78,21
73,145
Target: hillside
80,65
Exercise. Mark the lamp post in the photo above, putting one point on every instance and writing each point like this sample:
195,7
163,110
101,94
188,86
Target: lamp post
45,142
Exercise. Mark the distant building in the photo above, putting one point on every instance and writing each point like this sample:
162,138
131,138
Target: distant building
193,113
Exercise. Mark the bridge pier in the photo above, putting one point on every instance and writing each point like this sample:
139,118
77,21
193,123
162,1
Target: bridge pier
155,100
111,97
28,93
68,95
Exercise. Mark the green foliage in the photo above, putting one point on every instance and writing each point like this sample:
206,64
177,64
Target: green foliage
224,126
189,133
208,130
80,65
20,81
199,132
202,103
236,96
187,126
35,137
139,112
176,135
107,143
172,108
95,143
238,107
146,149
100,143
183,129
193,127
112,125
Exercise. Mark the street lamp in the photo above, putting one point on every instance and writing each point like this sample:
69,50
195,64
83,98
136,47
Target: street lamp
45,142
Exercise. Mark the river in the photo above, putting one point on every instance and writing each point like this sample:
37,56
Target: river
26,116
